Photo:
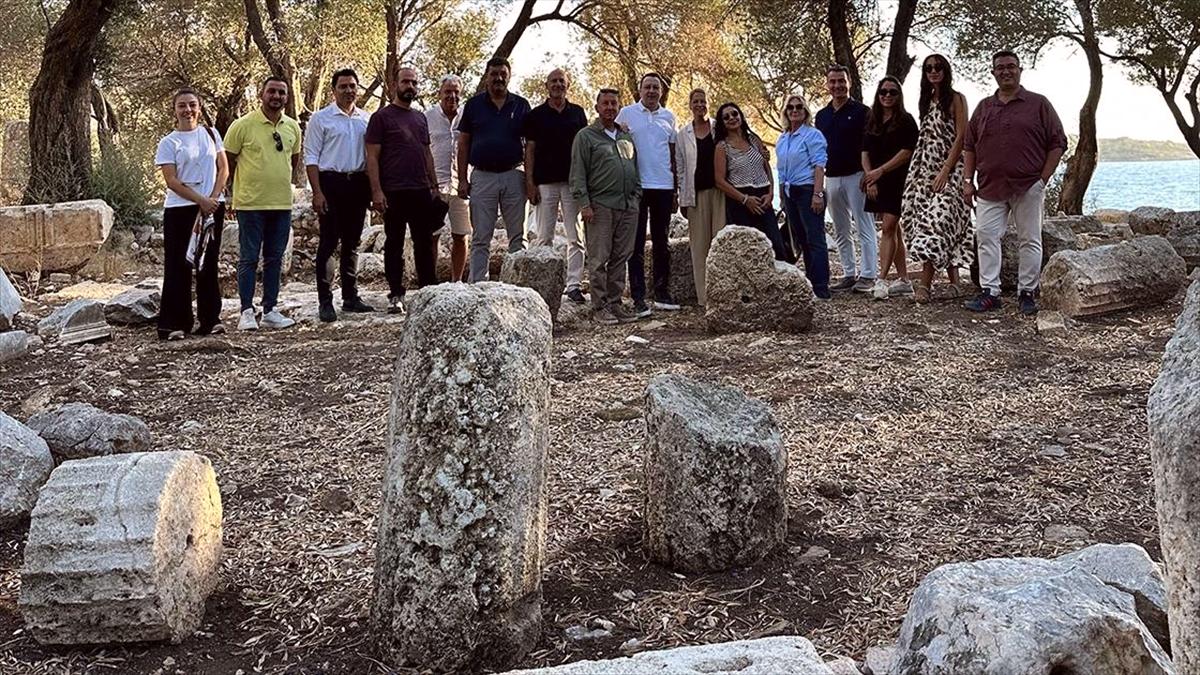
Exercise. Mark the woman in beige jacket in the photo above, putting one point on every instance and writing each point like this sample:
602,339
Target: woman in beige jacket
701,202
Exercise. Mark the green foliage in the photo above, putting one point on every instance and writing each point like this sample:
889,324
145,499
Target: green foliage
125,182
457,44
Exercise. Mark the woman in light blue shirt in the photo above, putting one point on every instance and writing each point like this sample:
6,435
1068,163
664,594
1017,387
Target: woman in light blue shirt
801,156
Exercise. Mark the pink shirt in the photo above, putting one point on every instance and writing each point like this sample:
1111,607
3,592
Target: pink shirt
1011,141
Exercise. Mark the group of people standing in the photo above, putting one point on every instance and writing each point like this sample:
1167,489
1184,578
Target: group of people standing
615,181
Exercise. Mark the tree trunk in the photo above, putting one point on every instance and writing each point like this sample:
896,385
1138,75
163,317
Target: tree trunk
1082,163
899,62
274,52
843,45
59,104
107,123
511,37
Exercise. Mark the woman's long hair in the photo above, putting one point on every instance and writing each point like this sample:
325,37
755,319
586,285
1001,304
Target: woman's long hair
719,131
944,94
875,122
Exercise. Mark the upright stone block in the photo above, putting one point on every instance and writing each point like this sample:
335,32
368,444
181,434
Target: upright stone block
1137,273
715,475
541,268
681,283
1173,414
25,464
748,290
463,516
122,548
52,237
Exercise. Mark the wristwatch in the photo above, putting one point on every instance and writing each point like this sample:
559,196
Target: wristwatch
820,194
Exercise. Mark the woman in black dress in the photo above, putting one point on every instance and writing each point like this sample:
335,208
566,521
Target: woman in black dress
888,146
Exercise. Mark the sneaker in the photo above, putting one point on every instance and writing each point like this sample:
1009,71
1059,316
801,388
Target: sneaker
823,297
843,284
984,302
666,303
604,317
863,285
623,314
356,305
395,304
900,287
879,290
218,329
1027,303
641,310
176,335
576,296
248,322
274,320
326,313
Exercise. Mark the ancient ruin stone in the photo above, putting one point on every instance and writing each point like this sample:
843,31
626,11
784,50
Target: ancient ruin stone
1023,615
715,476
1173,414
1151,220
1128,568
10,302
1077,224
133,307
79,430
1111,215
789,654
682,283
463,516
748,290
80,320
1057,235
25,464
52,237
17,343
1137,273
123,548
540,268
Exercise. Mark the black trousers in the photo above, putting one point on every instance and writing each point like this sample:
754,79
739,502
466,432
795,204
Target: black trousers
655,208
412,209
347,197
175,310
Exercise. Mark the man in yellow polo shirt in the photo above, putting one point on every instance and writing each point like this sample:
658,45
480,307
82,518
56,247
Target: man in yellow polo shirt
263,146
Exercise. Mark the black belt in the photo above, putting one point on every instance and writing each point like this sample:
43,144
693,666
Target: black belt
497,170
347,174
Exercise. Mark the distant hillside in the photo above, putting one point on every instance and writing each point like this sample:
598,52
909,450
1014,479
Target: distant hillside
1135,150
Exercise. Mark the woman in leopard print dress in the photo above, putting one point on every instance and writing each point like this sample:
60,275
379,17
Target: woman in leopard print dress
935,219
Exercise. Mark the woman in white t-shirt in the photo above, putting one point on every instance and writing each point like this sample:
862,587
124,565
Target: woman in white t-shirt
193,164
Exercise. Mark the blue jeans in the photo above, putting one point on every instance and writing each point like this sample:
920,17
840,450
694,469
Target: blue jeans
807,232
262,233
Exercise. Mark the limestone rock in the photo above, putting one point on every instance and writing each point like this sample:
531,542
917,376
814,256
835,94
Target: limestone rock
682,283
1173,414
1111,215
1023,615
1128,568
540,268
52,237
1184,236
79,430
463,515
1151,220
370,266
370,235
715,476
78,321
789,654
1057,235
1051,323
748,290
10,302
25,464
1138,273
678,228
133,307
1077,224
17,343
123,548
879,660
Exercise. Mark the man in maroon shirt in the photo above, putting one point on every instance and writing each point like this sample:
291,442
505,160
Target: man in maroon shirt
1014,142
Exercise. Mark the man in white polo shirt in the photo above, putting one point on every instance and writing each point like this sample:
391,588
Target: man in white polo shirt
335,159
653,129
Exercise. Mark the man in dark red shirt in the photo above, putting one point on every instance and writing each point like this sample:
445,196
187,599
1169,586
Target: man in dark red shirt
1014,142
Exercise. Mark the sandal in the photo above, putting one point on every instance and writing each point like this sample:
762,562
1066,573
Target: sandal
921,294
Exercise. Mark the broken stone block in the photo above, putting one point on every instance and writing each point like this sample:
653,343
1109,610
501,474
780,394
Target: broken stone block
78,321
52,237
1138,273
748,290
1051,323
1151,220
133,307
79,430
541,268
25,464
681,283
10,302
789,654
123,548
462,521
715,476
1127,567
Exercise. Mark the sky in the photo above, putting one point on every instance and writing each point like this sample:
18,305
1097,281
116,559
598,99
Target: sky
1126,109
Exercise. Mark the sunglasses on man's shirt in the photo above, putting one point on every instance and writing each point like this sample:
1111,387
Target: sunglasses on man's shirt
278,141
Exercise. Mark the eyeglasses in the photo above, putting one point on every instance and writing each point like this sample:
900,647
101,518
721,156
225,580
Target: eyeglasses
794,106
278,141
888,92
731,115
934,68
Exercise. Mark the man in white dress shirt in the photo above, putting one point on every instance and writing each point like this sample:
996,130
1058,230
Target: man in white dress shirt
335,159
443,136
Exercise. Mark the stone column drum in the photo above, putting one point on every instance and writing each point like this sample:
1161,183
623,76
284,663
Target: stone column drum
463,516
1173,413
122,548
1139,273
715,474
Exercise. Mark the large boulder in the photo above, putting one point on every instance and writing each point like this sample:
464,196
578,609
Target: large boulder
789,654
133,307
541,268
1173,415
123,548
1128,568
681,283
1024,615
80,430
52,237
1184,236
1137,273
1151,220
80,320
462,521
748,290
25,464
715,476
10,302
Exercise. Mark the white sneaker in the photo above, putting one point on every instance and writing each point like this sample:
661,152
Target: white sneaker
395,305
880,289
900,287
273,319
248,322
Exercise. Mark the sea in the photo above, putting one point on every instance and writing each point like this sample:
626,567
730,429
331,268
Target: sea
1128,185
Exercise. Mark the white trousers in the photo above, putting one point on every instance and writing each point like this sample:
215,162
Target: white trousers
846,202
991,220
554,195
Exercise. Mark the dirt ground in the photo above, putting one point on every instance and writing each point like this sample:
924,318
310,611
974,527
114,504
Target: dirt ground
917,436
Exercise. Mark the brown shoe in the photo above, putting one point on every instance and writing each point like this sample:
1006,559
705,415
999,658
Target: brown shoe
921,294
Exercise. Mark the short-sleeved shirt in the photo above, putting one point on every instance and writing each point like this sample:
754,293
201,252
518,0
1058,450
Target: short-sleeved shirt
882,147
402,135
443,136
262,180
552,133
653,134
1011,141
194,155
843,129
798,153
496,143
334,139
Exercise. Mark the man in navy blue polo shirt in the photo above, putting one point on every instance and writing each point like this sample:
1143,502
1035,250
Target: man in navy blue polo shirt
843,122
489,139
